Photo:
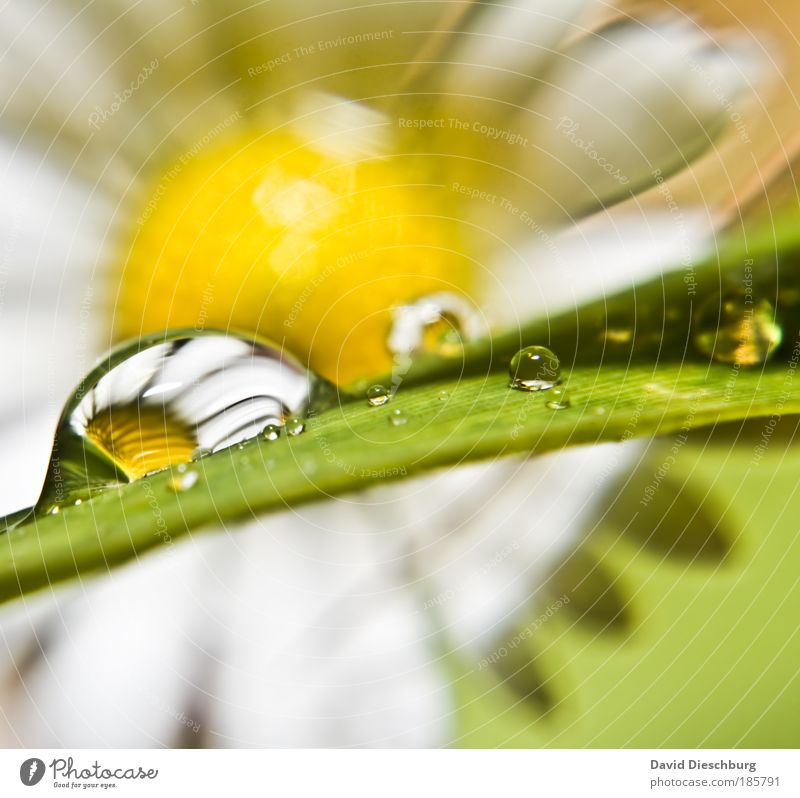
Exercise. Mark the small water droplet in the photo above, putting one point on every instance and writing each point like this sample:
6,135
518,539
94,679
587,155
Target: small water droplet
438,323
54,510
271,432
558,398
167,399
397,418
735,328
77,502
295,426
377,395
183,482
182,467
443,396
534,368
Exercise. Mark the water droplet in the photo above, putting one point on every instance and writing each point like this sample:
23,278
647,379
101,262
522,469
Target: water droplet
167,399
397,418
534,368
377,395
735,328
295,426
183,482
271,432
443,396
438,323
559,398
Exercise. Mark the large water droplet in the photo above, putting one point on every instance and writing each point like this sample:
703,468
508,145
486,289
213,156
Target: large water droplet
167,398
735,328
435,324
534,368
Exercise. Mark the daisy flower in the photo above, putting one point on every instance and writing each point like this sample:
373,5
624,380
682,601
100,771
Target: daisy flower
304,171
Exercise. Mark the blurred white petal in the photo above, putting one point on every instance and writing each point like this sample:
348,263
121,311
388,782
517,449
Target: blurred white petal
628,106
499,54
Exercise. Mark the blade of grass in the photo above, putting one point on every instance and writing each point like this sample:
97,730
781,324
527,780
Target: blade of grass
354,446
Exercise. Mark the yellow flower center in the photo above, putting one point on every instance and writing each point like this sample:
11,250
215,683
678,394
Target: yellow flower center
311,249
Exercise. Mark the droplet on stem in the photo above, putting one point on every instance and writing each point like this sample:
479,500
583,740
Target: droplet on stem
377,395
168,399
534,368
734,328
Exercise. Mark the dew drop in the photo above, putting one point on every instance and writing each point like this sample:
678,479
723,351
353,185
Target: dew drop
735,328
271,432
295,426
397,418
559,398
377,395
443,396
534,368
183,482
438,323
171,398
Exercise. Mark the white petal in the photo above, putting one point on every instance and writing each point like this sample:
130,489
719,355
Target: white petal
52,231
499,54
324,647
486,571
607,253
121,662
91,80
627,107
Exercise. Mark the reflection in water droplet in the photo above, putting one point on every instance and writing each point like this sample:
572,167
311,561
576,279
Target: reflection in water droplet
558,398
735,328
295,425
271,432
435,324
397,418
377,395
534,368
183,482
443,396
167,399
